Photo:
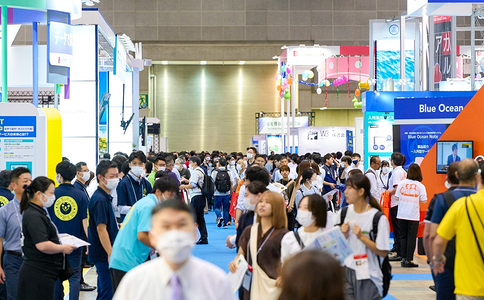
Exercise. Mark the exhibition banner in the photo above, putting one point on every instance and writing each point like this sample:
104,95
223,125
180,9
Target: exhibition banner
18,126
430,108
269,125
442,54
60,44
17,141
417,140
324,139
349,140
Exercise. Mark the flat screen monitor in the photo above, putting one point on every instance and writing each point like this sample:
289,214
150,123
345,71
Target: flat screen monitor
451,151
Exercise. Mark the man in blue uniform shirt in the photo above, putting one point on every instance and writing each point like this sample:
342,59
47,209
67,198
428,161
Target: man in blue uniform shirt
134,186
10,232
5,187
103,227
132,245
69,214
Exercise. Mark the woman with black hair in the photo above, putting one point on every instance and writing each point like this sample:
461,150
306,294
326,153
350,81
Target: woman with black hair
307,185
44,256
364,278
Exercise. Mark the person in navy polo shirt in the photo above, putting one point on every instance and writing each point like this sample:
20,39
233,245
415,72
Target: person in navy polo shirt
81,183
69,214
103,227
134,186
132,245
5,187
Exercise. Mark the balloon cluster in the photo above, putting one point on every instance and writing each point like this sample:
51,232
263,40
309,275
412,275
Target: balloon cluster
356,103
340,81
361,85
284,81
308,74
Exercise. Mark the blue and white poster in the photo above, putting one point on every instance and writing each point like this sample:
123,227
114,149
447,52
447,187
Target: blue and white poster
269,125
417,140
60,44
18,126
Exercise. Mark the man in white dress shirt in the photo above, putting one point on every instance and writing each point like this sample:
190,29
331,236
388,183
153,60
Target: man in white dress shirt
374,177
175,275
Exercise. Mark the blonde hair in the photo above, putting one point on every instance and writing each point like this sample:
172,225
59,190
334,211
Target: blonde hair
279,216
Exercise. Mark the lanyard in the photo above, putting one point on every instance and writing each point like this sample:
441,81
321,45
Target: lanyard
17,209
132,187
261,246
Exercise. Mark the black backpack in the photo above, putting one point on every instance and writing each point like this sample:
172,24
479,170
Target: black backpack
386,268
222,181
207,186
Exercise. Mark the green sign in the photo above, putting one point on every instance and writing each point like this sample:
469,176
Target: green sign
28,4
143,101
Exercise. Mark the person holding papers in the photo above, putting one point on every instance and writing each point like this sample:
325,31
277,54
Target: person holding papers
312,215
44,261
364,278
69,215
260,244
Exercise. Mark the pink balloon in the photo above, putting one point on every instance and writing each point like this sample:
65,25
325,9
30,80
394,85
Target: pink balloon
288,70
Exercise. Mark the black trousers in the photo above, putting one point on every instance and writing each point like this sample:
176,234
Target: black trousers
408,240
198,205
116,276
396,230
36,283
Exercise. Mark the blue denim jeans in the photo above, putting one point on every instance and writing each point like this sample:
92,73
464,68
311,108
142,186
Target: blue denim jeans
12,268
104,286
75,280
444,285
222,201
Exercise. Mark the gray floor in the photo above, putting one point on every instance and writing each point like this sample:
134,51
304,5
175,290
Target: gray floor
90,278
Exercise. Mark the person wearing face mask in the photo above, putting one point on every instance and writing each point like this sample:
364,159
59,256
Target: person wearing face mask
312,215
133,186
385,174
251,153
184,172
170,169
308,185
241,166
260,244
374,177
176,274
44,256
356,158
69,215
103,226
158,164
132,245
10,232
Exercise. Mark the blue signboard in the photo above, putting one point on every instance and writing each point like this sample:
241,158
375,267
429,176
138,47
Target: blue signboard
417,140
60,44
18,126
349,140
430,108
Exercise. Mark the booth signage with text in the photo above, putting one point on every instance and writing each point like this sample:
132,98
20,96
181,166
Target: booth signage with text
324,139
269,125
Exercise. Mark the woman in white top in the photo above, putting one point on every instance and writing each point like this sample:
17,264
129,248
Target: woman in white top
312,215
364,279
308,185
241,166
319,176
385,174
410,192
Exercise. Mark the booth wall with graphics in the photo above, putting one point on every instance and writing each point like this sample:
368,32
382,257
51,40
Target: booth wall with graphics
325,139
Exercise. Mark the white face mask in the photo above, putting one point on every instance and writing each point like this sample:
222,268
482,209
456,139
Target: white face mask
343,165
232,163
305,218
239,168
250,155
447,185
162,168
385,170
177,167
175,245
50,200
137,171
85,176
58,178
190,167
248,205
314,183
111,184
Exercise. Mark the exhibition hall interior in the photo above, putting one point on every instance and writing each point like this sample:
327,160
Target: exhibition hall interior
241,149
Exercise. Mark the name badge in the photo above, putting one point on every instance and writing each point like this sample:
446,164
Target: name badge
247,280
362,268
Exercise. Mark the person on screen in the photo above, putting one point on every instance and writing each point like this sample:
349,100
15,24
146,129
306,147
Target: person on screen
453,157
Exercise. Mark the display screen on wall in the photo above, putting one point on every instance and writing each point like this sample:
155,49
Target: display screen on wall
417,140
380,132
452,151
268,125
388,65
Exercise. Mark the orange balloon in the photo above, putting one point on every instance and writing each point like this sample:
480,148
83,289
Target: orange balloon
357,92
279,88
289,81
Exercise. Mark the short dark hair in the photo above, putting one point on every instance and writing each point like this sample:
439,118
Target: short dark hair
79,166
414,172
125,168
5,178
119,160
175,204
17,172
256,187
137,154
327,156
385,163
256,173
318,207
348,153
107,156
196,159
454,147
165,184
103,167
254,149
317,158
339,155
67,170
260,155
398,158
222,162
356,155
451,173
161,174
149,167
284,168
346,159
159,157
355,172
373,159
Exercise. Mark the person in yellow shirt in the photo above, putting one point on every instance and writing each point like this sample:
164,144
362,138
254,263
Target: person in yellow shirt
464,221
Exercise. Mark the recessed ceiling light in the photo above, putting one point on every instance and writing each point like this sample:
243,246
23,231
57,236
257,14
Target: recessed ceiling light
203,62
242,62
164,62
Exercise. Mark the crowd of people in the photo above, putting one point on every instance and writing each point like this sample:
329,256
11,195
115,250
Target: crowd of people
143,214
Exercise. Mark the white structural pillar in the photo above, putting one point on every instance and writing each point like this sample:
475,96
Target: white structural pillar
135,93
293,107
402,53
